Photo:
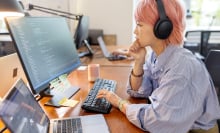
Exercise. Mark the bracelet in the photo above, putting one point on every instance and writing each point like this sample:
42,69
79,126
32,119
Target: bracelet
120,103
140,75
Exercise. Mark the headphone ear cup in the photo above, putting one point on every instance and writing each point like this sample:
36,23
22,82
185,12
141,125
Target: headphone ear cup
163,28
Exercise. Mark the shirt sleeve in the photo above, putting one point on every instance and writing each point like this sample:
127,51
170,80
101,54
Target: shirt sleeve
146,87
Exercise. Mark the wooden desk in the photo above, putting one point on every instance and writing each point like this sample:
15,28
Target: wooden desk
5,37
116,120
99,58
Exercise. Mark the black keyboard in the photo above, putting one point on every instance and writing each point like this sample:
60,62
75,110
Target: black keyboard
100,105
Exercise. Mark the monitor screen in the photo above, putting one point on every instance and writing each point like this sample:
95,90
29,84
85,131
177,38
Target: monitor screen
82,31
45,48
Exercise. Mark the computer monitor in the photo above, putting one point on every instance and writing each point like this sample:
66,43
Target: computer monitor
81,35
45,48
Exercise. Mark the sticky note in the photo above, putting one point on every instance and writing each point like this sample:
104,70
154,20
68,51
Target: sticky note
68,102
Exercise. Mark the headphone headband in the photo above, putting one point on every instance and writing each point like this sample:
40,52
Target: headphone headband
161,10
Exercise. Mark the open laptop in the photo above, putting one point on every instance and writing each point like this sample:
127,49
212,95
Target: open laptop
21,113
106,53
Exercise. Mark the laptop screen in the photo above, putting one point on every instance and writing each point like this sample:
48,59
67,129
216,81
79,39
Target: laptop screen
103,46
21,112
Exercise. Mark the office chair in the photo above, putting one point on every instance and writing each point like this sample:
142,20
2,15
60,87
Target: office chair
213,66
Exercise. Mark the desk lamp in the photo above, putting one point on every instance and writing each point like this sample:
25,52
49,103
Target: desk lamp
10,8
55,12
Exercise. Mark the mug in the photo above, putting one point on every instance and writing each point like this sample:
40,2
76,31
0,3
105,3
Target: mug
93,72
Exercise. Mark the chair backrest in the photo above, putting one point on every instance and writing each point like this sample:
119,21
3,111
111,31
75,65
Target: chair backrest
212,62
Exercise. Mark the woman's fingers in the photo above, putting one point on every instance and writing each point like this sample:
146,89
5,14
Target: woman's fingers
102,93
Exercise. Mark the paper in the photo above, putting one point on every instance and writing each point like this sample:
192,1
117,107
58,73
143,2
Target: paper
68,102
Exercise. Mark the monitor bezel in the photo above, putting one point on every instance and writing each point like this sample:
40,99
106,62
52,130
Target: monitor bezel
82,31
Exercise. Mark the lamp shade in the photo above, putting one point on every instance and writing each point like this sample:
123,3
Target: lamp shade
10,8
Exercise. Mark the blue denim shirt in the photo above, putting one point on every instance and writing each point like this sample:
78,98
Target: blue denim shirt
181,93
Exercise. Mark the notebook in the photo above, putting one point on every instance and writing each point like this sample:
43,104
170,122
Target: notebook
106,53
21,113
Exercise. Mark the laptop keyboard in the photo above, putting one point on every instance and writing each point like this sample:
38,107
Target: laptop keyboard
100,105
67,126
116,57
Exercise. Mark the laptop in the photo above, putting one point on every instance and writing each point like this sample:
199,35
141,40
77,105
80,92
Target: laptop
106,53
21,113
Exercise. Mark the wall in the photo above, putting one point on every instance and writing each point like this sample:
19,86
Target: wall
61,5
113,16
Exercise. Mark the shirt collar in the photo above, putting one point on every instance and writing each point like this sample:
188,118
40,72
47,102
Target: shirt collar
160,61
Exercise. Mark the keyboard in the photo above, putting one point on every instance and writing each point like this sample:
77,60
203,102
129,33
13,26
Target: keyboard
67,126
100,105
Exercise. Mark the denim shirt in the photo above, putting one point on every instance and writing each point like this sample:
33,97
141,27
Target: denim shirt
181,93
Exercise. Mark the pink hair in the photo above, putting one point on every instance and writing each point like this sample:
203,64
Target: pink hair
147,12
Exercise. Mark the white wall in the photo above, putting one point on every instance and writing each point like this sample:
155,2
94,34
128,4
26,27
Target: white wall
113,16
62,5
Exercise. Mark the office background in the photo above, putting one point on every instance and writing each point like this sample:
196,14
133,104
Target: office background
100,11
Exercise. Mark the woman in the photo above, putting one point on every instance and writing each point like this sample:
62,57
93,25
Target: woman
181,94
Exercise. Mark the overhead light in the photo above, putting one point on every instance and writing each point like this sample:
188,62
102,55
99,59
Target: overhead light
10,8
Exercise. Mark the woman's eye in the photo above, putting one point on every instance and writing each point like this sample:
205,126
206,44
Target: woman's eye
139,25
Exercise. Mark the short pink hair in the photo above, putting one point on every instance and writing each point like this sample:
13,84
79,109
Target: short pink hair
147,12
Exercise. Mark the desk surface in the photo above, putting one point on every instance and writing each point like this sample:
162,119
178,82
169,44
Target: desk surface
99,58
116,120
116,70
5,38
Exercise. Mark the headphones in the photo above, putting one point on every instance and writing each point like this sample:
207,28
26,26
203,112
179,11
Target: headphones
163,27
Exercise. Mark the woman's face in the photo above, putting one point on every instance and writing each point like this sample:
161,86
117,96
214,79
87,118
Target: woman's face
144,34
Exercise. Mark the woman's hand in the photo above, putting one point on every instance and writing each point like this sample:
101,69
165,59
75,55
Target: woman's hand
109,96
120,52
137,52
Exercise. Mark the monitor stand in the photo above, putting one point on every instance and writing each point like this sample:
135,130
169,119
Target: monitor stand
90,52
57,98
59,89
